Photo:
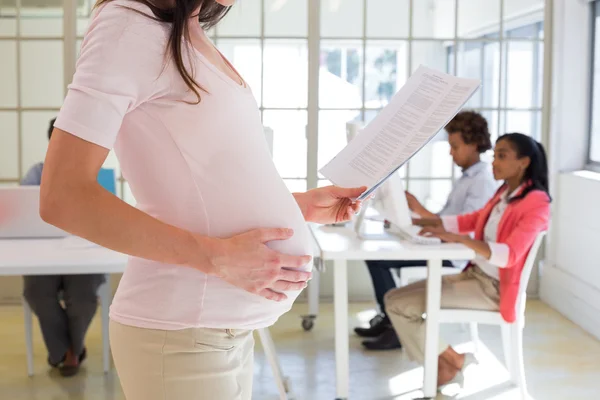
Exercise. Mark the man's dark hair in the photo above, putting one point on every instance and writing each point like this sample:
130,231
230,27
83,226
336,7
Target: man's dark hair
51,127
473,128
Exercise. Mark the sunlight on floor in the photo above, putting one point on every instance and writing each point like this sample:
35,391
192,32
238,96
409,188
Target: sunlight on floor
365,316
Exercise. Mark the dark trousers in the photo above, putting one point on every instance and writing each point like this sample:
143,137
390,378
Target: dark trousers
63,328
383,280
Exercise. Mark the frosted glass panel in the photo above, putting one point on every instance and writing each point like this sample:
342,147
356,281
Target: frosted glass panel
332,133
286,73
242,20
469,62
340,77
522,76
386,71
434,19
40,21
82,25
476,17
9,163
286,18
431,54
387,18
8,26
42,73
35,137
8,73
289,141
342,18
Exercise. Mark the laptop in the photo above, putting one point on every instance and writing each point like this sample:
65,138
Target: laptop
20,215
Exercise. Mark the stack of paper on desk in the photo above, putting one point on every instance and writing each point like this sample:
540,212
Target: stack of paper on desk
416,113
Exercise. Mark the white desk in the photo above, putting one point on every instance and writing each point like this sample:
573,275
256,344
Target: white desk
57,257
340,245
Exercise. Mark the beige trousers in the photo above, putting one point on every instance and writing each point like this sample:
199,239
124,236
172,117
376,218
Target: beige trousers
188,364
471,289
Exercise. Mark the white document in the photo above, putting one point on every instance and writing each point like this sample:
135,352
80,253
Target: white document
416,113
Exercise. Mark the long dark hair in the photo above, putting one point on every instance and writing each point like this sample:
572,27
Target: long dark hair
536,174
178,15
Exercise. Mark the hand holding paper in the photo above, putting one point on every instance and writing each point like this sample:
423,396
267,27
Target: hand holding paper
416,113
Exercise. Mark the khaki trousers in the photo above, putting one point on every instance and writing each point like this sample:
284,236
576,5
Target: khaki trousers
471,289
188,364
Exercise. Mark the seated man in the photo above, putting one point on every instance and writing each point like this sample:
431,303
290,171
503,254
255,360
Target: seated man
468,136
63,329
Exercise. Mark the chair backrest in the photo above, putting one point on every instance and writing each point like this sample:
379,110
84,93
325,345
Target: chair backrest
526,273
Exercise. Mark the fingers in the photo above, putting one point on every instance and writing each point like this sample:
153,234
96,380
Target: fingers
272,295
286,286
293,275
348,192
269,234
287,261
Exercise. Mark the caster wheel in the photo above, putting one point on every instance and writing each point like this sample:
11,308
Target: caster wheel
307,324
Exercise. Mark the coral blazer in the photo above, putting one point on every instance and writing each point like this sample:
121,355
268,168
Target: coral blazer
521,222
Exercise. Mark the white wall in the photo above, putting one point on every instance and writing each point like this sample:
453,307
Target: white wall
571,277
571,282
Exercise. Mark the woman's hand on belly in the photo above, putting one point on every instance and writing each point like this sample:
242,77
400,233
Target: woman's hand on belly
245,261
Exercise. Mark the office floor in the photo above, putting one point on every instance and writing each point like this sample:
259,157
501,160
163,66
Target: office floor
562,362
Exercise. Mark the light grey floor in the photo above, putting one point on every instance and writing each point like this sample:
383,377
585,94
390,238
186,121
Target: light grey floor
562,362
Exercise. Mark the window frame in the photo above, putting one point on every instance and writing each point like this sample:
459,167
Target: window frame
594,13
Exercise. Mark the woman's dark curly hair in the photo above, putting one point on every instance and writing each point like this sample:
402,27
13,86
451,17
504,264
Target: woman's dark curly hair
473,128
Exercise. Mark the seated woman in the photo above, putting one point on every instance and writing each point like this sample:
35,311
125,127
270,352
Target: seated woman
505,230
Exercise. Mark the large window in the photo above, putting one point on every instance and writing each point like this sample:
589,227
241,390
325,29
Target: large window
594,150
313,65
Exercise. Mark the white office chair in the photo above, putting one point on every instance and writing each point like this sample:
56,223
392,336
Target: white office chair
409,275
512,334
105,297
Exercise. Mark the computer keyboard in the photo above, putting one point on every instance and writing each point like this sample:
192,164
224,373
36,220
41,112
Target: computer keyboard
411,234
424,240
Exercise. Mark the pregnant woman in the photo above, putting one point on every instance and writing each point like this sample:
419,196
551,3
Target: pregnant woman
218,245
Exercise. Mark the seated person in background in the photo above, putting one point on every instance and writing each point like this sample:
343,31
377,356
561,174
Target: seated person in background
504,229
63,329
468,136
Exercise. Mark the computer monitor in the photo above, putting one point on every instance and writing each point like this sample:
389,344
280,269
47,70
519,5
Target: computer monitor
20,214
390,204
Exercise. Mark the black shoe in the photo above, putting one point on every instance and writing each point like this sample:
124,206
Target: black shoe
378,326
387,341
72,370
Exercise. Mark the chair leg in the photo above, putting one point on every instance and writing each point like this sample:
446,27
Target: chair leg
508,354
28,315
517,358
474,336
270,353
104,295
403,278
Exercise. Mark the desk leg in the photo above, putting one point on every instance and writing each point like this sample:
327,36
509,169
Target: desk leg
432,328
313,294
105,295
342,351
